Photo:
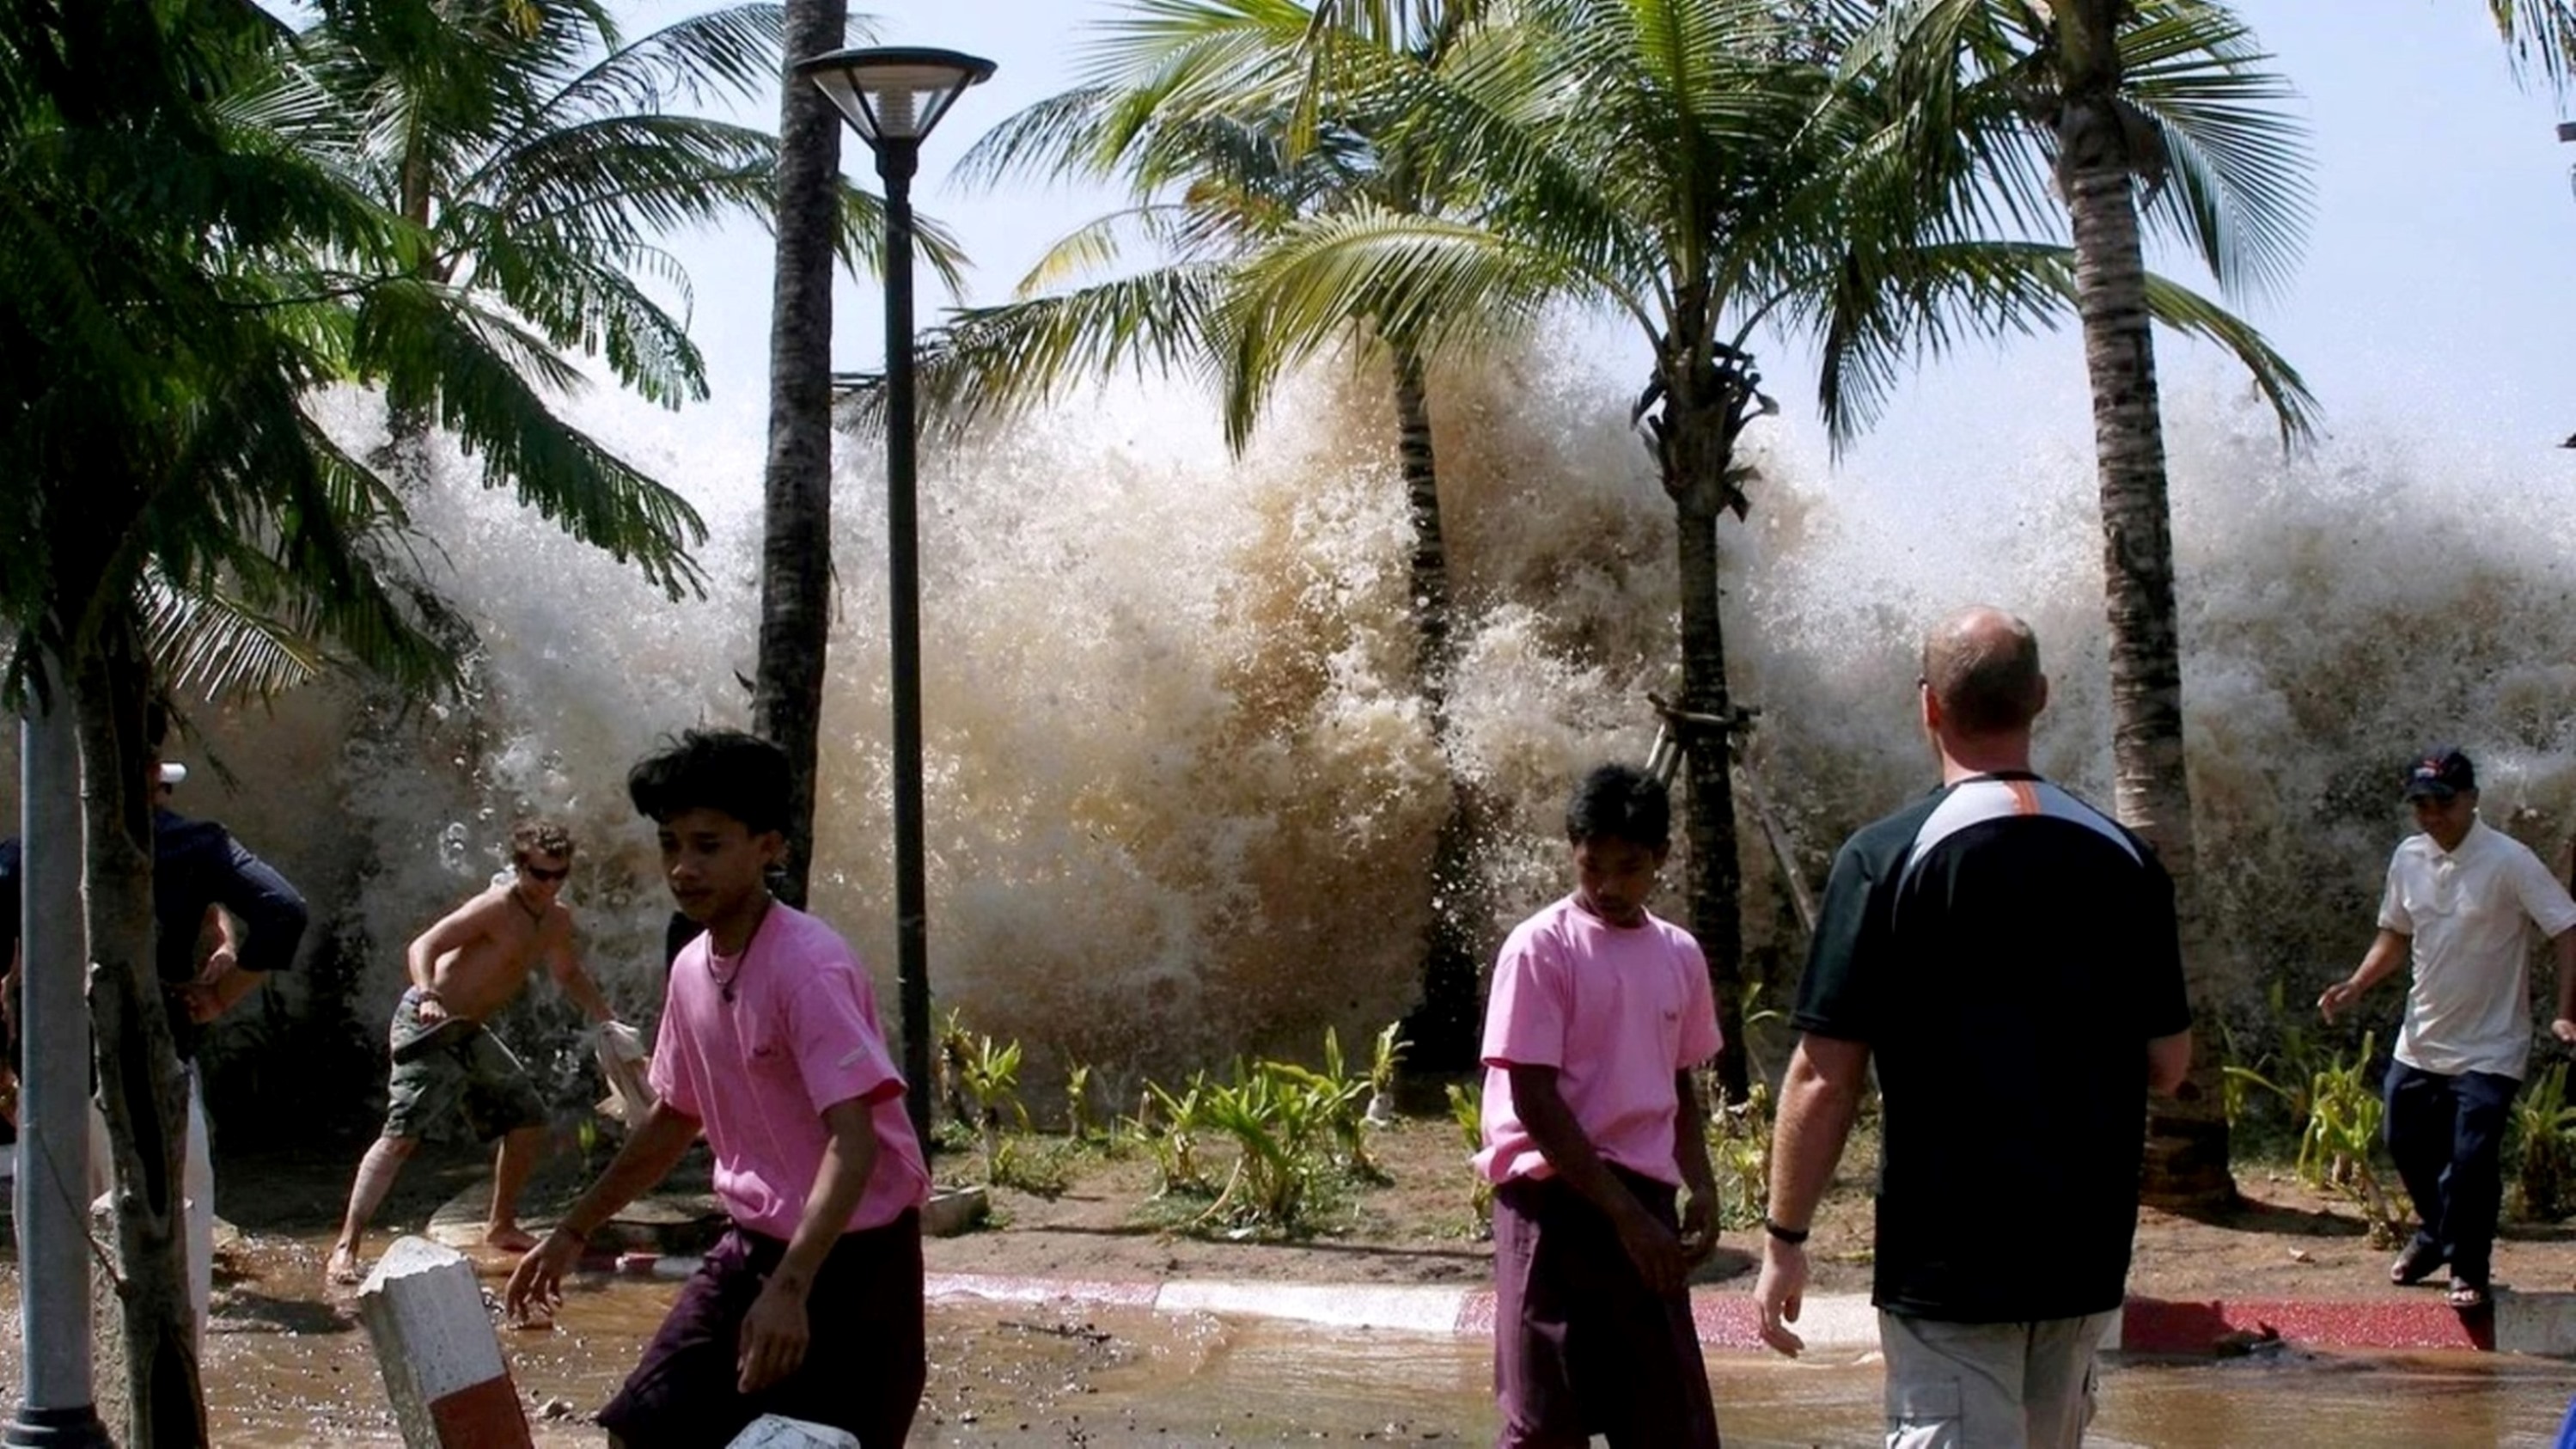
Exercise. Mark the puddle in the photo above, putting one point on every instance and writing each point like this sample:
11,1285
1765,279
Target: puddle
286,1369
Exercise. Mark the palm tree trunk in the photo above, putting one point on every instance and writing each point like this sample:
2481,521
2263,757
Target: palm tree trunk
142,1088
1695,446
2187,1149
1715,885
1443,1029
796,519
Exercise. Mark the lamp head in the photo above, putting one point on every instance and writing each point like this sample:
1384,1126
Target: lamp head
894,94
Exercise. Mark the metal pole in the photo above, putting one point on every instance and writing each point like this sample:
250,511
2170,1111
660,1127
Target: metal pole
896,160
51,1195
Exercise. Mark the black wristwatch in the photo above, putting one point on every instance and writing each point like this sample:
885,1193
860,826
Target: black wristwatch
1791,1236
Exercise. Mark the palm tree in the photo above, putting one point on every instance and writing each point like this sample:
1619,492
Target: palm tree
1704,169
542,154
796,498
183,260
1205,110
2156,111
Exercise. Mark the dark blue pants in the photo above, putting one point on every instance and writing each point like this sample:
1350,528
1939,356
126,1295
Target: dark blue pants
2447,1134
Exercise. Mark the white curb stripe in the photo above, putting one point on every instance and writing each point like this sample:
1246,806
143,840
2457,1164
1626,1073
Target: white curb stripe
1411,1309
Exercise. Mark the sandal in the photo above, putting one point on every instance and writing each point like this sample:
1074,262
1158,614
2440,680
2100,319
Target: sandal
2466,1296
2414,1265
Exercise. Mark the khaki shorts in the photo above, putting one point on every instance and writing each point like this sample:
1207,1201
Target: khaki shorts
455,1065
1990,1385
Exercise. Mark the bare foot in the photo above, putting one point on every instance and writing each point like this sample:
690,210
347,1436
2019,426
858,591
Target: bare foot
343,1267
510,1239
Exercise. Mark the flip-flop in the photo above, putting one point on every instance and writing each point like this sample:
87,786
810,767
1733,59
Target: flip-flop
2465,1296
2414,1266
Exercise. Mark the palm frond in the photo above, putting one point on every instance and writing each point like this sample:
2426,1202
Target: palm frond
2540,35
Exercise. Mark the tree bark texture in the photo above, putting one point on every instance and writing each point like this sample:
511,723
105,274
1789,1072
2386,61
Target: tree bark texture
142,1089
796,515
2187,1148
1704,408
1444,1030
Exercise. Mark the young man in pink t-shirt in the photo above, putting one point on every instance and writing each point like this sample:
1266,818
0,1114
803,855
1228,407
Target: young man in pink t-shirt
810,1306
1598,1012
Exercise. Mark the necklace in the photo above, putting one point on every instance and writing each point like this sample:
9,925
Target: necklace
536,914
724,980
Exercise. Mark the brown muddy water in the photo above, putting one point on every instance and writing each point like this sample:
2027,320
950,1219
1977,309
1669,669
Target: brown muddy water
285,1367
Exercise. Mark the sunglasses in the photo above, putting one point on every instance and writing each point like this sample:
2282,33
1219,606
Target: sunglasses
541,873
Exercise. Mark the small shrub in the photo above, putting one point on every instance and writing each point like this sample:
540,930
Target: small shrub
1168,1124
2546,1157
2344,1117
1467,1109
1739,1153
1078,1121
988,1073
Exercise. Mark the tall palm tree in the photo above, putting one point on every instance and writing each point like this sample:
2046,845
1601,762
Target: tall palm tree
184,258
796,476
542,154
1706,169
2155,114
1206,111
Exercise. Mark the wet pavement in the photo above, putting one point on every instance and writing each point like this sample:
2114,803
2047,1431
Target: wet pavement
285,1368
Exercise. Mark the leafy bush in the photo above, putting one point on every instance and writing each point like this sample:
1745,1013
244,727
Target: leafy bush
1174,1139
1739,1153
2344,1117
1467,1109
2545,1153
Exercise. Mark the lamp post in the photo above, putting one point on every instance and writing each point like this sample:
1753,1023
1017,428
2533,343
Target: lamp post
892,98
51,1201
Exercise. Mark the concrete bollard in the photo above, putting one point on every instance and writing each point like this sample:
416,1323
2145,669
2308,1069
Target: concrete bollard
435,1345
777,1431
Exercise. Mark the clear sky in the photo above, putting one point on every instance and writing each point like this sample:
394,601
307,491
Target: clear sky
2434,287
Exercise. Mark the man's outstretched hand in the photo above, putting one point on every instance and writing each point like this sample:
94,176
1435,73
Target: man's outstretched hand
536,1285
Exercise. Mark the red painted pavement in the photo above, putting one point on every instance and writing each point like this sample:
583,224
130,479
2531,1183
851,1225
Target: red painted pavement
2150,1325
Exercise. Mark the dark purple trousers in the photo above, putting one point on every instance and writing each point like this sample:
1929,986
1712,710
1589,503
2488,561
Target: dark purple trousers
865,1359
1581,1345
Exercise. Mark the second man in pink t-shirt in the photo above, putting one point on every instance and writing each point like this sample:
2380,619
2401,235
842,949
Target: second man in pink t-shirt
811,1305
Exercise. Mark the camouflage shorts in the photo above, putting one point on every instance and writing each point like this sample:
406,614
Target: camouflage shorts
452,1065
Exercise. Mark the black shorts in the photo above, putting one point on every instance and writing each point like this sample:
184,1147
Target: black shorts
864,1357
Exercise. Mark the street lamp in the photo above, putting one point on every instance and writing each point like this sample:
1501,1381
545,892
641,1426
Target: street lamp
892,97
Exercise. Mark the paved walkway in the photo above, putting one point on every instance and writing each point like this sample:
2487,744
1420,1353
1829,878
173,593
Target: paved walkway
2530,1323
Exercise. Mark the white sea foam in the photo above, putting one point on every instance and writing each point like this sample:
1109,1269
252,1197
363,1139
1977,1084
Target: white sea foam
1182,797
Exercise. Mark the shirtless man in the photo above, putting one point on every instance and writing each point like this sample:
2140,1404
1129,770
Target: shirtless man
463,969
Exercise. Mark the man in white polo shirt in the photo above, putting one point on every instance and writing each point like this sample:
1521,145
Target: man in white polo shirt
2461,900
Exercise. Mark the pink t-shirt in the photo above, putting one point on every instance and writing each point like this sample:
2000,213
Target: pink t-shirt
799,1035
1617,1011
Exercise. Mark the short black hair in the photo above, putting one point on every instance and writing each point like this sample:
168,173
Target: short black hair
1620,802
726,771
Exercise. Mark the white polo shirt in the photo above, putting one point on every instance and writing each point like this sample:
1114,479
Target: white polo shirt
2470,912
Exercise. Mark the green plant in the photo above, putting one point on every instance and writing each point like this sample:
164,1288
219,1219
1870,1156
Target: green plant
1341,1100
2344,1117
1467,1109
1078,1122
1383,1063
1174,1141
989,1073
2287,1071
2546,1155
1282,1118
1041,1166
1739,1153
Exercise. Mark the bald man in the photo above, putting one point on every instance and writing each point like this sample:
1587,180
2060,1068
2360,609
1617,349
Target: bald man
2008,956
